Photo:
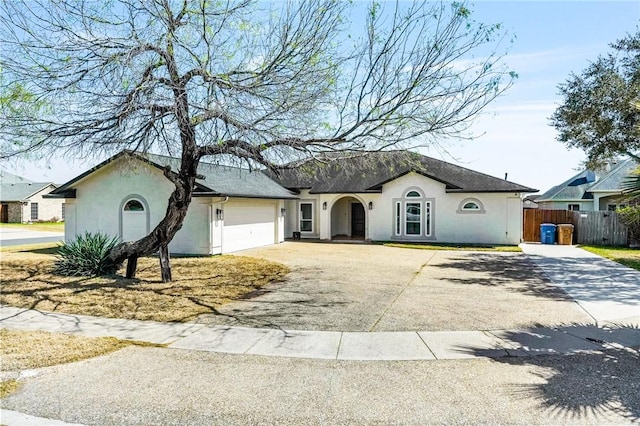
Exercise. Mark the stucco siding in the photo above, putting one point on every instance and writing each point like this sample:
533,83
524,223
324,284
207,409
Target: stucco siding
101,196
497,221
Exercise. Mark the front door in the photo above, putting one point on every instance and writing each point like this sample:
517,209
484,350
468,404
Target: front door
357,220
4,213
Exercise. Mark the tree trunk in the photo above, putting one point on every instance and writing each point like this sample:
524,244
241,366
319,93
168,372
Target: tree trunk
165,264
132,264
158,240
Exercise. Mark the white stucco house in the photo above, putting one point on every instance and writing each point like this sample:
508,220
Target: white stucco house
385,196
396,196
126,196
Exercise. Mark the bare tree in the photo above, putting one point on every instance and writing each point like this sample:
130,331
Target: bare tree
266,82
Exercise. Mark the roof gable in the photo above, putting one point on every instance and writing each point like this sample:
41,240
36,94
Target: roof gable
574,188
582,185
612,181
21,191
213,179
370,172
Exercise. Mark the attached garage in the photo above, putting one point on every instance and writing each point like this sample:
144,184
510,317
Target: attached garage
249,223
232,208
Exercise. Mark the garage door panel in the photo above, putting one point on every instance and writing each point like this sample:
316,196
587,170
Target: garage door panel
248,225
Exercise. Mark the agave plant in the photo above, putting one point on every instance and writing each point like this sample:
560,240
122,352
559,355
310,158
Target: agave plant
86,256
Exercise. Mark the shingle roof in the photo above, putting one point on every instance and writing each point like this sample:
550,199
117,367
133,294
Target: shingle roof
368,174
218,180
6,177
20,191
574,188
582,185
612,181
226,180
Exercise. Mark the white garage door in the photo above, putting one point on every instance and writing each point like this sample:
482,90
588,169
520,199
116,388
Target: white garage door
248,224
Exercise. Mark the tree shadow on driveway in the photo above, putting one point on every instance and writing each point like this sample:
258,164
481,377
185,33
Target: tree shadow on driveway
600,378
513,273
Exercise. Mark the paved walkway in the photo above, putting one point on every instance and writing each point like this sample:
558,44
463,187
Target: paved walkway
606,290
386,346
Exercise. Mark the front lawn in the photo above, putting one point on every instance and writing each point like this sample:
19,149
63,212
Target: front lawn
627,256
201,285
36,226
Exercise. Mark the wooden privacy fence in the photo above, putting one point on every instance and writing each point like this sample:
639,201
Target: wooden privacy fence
597,228
533,218
602,228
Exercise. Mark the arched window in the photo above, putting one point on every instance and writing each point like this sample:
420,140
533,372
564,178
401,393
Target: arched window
413,215
134,218
470,205
133,206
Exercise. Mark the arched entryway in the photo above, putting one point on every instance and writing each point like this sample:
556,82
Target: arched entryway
348,219
134,218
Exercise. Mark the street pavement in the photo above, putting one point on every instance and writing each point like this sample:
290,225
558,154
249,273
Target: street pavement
10,236
213,374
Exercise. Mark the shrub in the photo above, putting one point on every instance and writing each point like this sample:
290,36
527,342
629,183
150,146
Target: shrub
630,216
86,256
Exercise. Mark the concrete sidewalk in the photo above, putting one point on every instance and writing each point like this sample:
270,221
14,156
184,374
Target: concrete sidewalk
363,346
606,290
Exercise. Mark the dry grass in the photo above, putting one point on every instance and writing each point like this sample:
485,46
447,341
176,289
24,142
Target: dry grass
8,387
201,285
36,349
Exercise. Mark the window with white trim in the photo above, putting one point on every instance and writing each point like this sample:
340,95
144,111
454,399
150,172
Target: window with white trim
574,207
306,217
413,215
413,218
470,205
34,211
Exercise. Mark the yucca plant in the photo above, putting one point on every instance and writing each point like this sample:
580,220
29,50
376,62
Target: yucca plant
86,256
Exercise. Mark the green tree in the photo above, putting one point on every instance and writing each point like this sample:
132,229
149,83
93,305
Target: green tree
596,113
263,82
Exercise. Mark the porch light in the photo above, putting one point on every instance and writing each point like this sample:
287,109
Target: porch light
219,214
370,205
324,205
283,212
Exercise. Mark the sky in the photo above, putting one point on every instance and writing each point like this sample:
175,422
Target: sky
552,40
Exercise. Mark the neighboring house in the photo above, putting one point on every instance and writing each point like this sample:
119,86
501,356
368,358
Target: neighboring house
589,190
397,196
21,200
126,196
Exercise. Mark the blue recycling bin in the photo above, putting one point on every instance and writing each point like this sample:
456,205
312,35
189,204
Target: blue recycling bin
547,233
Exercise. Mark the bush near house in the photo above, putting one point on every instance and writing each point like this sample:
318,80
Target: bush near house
86,256
630,216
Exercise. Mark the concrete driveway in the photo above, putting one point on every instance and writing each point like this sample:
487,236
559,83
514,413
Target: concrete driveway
353,287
